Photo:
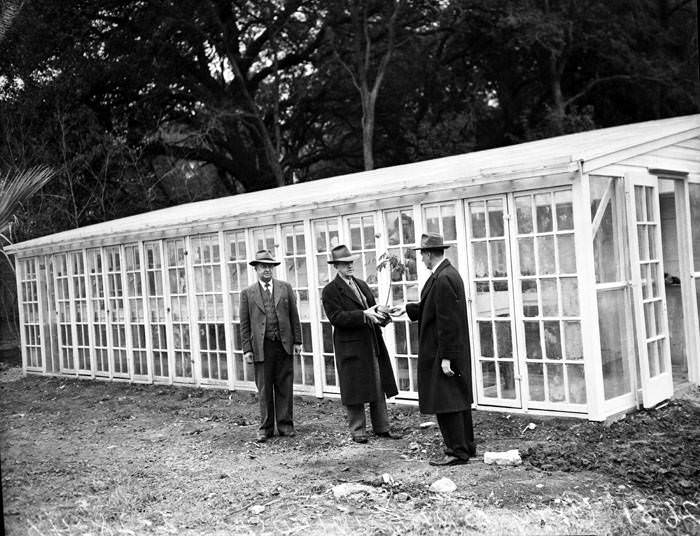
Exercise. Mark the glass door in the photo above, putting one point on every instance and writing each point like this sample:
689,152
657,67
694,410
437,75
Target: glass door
547,301
648,288
179,310
493,327
326,236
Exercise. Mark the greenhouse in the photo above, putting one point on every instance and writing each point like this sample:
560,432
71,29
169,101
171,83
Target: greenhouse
580,256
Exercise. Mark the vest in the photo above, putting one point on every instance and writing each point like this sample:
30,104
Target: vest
272,329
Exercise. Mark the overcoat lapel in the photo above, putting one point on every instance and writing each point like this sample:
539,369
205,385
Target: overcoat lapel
426,288
346,291
257,296
277,291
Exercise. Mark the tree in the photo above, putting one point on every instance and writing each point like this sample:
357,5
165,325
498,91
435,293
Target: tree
355,47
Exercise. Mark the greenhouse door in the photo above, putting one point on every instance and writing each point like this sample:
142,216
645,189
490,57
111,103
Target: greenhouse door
493,329
648,288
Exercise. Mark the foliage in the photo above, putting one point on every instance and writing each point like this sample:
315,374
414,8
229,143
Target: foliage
396,268
15,187
141,105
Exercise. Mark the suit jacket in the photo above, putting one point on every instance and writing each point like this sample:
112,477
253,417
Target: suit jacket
443,334
253,318
356,343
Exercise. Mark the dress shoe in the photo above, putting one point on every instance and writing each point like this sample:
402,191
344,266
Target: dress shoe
449,460
389,435
359,439
262,438
288,434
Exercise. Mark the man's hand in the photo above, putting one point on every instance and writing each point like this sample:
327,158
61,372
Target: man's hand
297,349
372,315
397,310
446,369
248,356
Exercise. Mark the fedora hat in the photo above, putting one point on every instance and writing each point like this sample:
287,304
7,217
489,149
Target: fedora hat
341,253
431,241
264,256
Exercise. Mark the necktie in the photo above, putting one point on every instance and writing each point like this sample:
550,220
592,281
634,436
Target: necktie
267,290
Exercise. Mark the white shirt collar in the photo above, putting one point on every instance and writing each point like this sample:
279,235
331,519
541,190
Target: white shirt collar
264,284
438,265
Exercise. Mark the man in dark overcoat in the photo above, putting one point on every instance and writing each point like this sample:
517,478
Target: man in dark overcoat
444,371
270,332
364,370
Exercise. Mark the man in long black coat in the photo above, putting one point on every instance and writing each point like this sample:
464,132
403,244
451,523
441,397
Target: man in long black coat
444,372
364,370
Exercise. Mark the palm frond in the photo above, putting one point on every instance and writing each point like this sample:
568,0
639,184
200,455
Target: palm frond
9,9
16,186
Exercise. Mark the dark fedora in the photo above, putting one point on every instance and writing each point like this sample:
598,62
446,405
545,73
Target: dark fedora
264,256
341,253
431,241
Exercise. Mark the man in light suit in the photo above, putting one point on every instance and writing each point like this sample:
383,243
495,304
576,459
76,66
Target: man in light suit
270,332
444,371
364,370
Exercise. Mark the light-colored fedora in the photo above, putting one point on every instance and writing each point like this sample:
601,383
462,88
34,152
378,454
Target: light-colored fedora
341,253
432,241
264,256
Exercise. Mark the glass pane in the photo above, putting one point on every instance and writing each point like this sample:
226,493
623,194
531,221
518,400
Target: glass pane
403,373
545,254
486,339
694,194
483,299
567,254
649,196
481,262
409,233
640,203
650,320
550,297
532,340
643,239
572,340
653,357
662,363
523,209
552,340
529,293
498,258
535,378
526,250
501,299
488,373
504,342
413,334
400,338
391,221
432,219
555,383
564,207
478,220
613,320
543,204
449,222
306,337
577,384
569,296
327,338
507,380
308,370
651,233
495,210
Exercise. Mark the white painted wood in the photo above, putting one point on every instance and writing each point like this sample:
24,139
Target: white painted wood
588,297
19,274
42,300
108,312
228,313
691,324
660,387
195,350
596,148
146,310
127,314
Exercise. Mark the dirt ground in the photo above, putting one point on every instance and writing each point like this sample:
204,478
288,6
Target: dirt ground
84,457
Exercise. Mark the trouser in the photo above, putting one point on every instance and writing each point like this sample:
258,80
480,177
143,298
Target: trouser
378,413
458,433
274,378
